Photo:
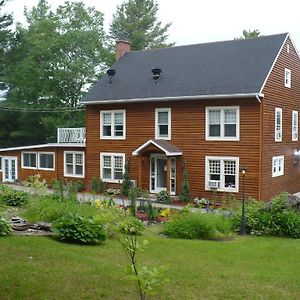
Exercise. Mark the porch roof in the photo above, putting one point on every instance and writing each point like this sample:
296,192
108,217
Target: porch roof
168,148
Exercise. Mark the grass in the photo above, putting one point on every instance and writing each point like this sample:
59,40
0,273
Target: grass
246,268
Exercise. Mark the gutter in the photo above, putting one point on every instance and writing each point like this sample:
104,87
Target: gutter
178,98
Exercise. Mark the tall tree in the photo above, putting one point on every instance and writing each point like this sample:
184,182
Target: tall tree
250,34
52,62
136,21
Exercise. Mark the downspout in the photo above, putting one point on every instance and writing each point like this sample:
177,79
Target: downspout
258,99
260,167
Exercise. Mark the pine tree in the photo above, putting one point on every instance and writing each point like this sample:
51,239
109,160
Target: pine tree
136,21
185,189
126,184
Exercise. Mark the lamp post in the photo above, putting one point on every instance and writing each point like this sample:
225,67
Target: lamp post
243,169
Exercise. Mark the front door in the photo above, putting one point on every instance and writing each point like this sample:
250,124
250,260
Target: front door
9,169
158,178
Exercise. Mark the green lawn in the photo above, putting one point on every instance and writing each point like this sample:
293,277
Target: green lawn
246,268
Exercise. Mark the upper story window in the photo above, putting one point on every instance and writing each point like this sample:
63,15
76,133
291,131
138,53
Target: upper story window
222,173
112,124
46,160
112,167
287,78
288,48
277,166
29,160
223,123
278,124
163,123
294,125
74,164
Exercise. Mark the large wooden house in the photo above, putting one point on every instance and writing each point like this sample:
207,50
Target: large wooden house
209,108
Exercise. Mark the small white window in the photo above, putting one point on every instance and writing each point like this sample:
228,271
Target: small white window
29,160
222,173
287,77
294,125
74,164
288,48
112,167
223,123
113,124
277,166
278,124
46,161
163,123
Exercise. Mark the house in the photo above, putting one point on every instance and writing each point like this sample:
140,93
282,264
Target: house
208,108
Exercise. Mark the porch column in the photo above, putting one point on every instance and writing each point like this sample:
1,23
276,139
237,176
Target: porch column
168,174
140,171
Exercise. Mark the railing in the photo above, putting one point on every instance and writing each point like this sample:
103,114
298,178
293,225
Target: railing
71,135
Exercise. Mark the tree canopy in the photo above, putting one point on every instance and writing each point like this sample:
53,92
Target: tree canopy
136,21
250,34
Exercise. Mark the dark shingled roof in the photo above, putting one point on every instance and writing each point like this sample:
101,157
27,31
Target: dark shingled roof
219,68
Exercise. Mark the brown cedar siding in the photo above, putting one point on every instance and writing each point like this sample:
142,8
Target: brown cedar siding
23,174
188,133
277,95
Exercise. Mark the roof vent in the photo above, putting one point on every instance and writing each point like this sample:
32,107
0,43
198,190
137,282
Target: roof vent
156,73
111,73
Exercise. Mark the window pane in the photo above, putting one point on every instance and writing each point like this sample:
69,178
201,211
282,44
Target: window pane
163,117
33,160
230,181
106,173
229,167
230,130
230,116
214,117
69,169
46,161
215,177
26,159
214,167
69,158
118,162
106,118
107,130
78,159
119,119
214,130
106,161
78,170
163,130
119,130
118,174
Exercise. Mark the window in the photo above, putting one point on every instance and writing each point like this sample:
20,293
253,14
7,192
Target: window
278,124
288,48
222,123
112,124
277,166
294,125
287,78
173,177
0,163
74,164
163,123
223,173
112,167
29,160
46,161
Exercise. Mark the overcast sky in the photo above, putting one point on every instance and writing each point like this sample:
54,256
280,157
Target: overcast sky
196,21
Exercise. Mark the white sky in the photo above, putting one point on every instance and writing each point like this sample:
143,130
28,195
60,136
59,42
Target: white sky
196,21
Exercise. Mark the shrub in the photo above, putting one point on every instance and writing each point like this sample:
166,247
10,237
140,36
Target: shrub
76,228
198,226
98,186
152,212
163,197
131,225
126,184
5,227
64,189
166,212
11,197
185,189
37,183
271,218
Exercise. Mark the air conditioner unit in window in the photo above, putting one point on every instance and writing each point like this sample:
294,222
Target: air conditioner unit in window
213,184
134,183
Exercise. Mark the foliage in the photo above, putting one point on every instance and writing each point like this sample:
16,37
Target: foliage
166,212
11,197
198,226
151,212
98,186
250,34
37,183
136,21
131,225
52,61
64,189
185,189
76,228
163,197
126,183
133,195
270,218
5,227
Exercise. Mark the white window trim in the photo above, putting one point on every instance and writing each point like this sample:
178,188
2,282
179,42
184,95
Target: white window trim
0,163
287,80
222,187
101,166
278,139
112,137
157,136
83,164
295,130
46,169
222,137
22,160
277,173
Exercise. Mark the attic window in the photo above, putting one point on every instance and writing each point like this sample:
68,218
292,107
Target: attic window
287,77
288,48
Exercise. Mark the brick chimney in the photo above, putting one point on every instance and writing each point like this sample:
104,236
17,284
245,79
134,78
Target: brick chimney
121,48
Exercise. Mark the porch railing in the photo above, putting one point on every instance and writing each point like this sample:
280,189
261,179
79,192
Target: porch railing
71,135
